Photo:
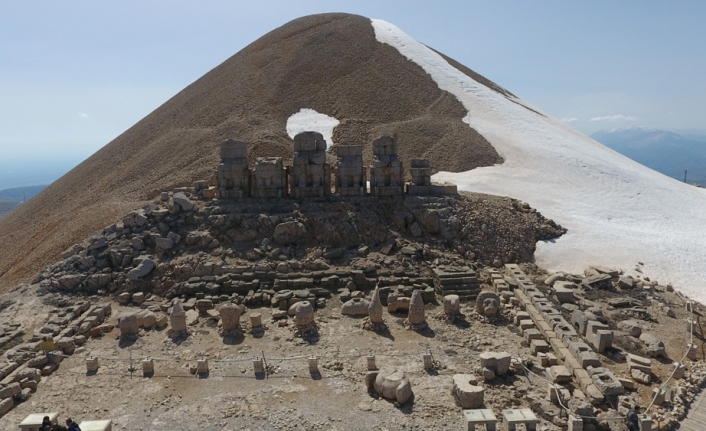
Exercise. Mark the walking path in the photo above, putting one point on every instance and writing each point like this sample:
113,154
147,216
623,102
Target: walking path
696,418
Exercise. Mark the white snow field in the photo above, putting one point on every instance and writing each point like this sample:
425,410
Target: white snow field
308,120
617,212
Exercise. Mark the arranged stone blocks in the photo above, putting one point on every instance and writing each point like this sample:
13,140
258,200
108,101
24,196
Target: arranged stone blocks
387,173
233,173
350,174
309,175
456,280
270,180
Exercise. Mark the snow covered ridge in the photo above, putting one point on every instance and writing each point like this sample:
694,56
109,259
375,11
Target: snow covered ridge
617,211
308,120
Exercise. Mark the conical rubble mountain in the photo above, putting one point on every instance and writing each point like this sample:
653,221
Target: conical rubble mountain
331,63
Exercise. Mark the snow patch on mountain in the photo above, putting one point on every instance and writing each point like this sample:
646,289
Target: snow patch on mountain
308,120
617,211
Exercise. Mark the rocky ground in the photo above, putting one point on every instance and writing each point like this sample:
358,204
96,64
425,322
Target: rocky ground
210,255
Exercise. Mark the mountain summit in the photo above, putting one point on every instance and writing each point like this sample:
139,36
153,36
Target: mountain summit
359,78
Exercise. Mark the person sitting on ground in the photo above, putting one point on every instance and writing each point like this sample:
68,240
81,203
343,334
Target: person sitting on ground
71,425
633,420
46,424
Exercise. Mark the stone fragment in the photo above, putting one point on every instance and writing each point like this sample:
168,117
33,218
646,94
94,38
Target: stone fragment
230,317
498,362
558,374
631,327
393,386
128,324
355,307
655,346
488,303
415,318
145,267
640,376
452,305
184,202
466,391
177,319
375,309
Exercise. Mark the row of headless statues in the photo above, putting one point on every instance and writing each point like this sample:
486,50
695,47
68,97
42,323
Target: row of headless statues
310,176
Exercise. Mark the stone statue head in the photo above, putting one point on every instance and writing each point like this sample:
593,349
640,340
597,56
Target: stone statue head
488,303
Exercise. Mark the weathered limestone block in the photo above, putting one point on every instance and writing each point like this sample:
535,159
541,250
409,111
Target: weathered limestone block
350,174
498,362
309,175
558,374
355,307
488,303
145,266
128,324
230,317
6,405
415,318
467,391
184,202
640,376
452,305
564,292
397,303
375,309
304,314
233,176
631,327
393,386
387,173
269,178
639,363
605,381
146,319
655,346
177,319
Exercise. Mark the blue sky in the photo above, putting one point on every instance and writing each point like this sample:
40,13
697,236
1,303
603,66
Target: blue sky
75,74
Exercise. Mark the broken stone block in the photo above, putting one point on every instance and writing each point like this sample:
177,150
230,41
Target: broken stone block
605,381
558,374
355,307
487,303
177,319
498,362
640,376
452,305
415,318
145,266
655,346
488,374
393,386
230,317
128,324
184,202
631,327
640,363
564,292
466,391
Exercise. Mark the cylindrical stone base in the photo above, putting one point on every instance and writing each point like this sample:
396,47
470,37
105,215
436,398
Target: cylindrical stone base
255,320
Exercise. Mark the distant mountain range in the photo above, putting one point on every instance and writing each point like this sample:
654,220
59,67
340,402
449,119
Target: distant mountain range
666,152
14,197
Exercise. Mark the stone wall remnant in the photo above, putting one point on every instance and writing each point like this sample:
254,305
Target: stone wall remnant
233,175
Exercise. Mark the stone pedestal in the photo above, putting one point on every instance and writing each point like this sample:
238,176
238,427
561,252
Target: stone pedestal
148,367
92,365
233,175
